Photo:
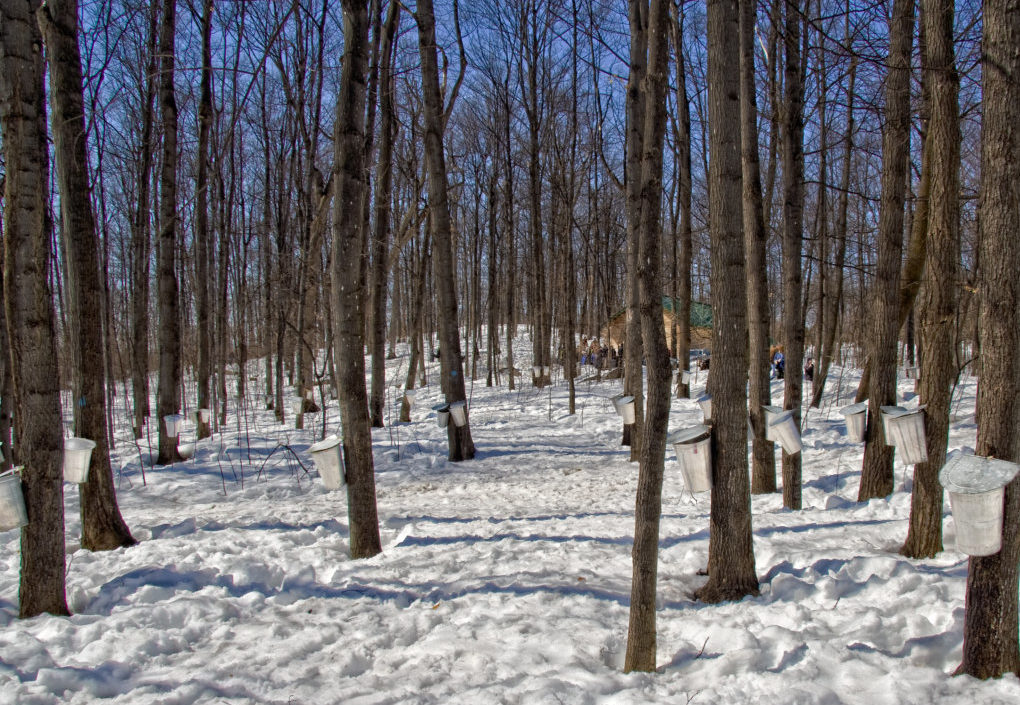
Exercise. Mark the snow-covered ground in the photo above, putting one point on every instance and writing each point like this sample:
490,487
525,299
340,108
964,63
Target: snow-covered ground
505,579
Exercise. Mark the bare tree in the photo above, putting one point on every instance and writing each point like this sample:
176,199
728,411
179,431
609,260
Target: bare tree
169,387
648,503
347,292
451,366
103,528
28,307
939,296
990,646
731,573
877,474
763,455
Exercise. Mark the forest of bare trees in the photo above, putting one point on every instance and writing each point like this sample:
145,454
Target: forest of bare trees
191,186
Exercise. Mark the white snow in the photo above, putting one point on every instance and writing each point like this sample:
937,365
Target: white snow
505,579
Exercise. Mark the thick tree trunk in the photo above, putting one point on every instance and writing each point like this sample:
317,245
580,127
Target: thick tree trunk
939,301
990,646
169,389
877,474
348,295
451,367
102,526
731,573
28,306
763,454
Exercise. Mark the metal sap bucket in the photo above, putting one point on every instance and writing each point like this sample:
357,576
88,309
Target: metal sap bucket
904,429
976,487
856,416
693,447
326,456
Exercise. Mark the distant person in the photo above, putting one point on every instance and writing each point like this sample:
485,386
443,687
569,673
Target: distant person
809,369
779,362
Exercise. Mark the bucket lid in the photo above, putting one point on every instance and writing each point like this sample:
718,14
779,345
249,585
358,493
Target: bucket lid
691,435
441,407
457,404
325,444
858,408
773,409
780,418
974,474
624,400
704,397
896,411
79,444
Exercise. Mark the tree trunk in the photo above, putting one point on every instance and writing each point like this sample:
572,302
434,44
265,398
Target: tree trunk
731,573
683,291
169,390
939,301
763,454
833,298
990,646
877,474
28,304
641,648
102,526
793,238
141,247
451,367
380,235
637,13
203,234
347,294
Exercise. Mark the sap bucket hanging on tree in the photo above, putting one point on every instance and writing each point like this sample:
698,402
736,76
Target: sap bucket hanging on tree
202,415
326,456
784,429
904,428
458,413
693,448
410,395
442,414
976,486
625,408
173,423
771,414
77,454
186,450
856,416
12,502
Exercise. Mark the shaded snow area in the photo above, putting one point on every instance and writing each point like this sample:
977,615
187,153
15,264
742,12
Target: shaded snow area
505,579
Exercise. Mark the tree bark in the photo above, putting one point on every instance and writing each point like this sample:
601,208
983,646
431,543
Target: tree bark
731,573
939,297
877,474
763,454
169,390
348,293
103,528
793,239
380,235
28,304
633,381
203,234
451,367
990,646
641,648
